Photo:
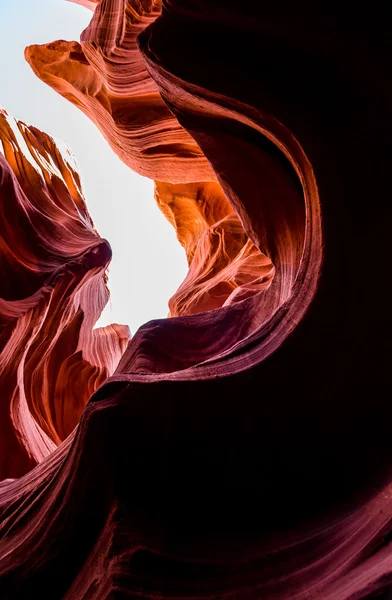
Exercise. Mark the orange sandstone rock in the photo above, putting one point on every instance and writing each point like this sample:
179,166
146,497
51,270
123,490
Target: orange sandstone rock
224,265
106,78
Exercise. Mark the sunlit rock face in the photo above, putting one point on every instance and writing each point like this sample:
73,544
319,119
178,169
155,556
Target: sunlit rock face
106,78
53,289
224,265
242,452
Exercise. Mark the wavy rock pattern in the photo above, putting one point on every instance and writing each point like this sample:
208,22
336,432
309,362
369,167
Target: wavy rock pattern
224,265
106,71
52,292
242,452
106,78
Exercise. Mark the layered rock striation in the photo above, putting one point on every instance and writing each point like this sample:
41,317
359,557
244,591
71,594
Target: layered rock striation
53,289
241,448
104,75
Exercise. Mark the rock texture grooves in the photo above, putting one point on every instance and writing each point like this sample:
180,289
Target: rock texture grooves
53,289
243,452
224,265
106,78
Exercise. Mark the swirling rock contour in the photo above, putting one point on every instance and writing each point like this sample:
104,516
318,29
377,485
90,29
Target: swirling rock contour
53,288
224,265
106,78
244,452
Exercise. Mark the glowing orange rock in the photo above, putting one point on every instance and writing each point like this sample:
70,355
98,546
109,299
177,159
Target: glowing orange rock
224,265
106,78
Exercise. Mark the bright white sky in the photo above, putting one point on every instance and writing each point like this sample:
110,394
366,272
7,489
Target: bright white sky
148,262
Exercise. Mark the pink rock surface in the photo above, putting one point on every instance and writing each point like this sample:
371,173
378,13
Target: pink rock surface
53,289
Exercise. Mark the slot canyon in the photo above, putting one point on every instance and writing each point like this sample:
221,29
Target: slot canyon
239,449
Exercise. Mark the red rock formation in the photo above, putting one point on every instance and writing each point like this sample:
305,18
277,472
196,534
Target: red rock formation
224,265
107,71
242,452
106,78
52,291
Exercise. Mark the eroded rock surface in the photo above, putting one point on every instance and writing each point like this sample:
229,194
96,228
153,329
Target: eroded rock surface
224,265
242,452
104,75
53,289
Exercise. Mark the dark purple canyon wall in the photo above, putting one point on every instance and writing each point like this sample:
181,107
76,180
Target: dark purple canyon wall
240,449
